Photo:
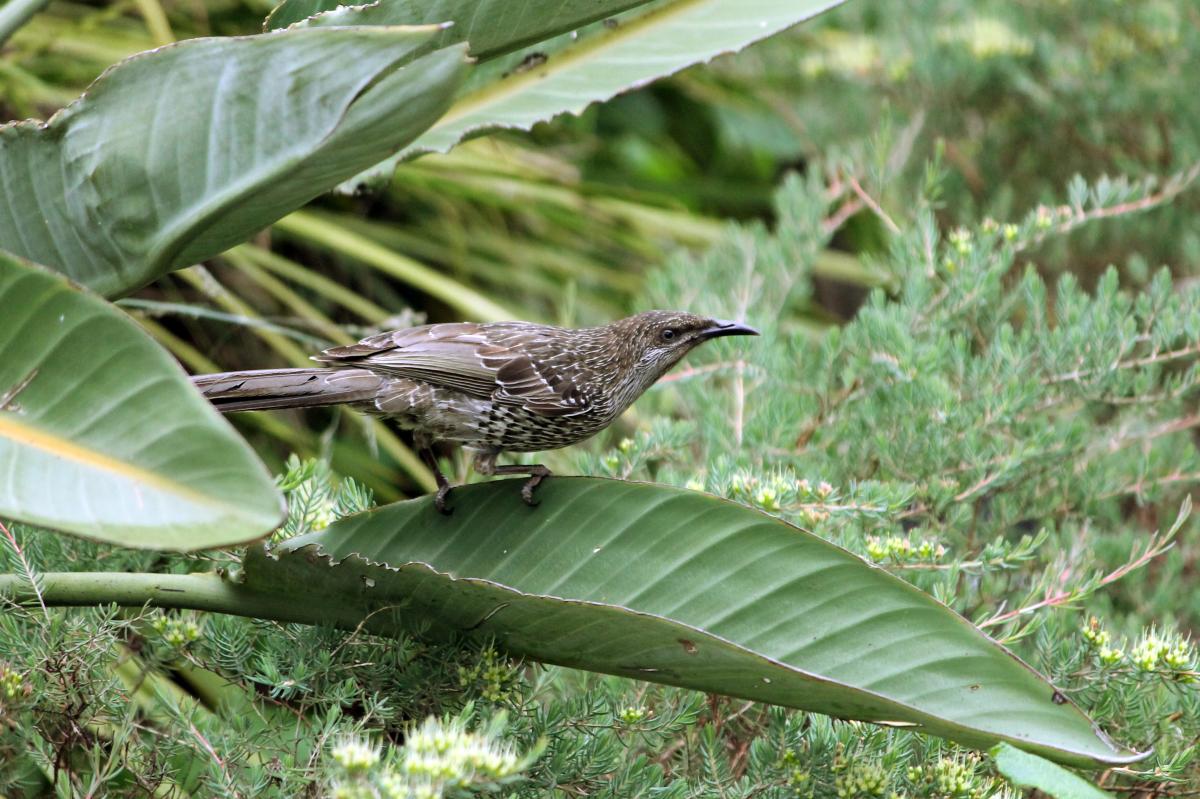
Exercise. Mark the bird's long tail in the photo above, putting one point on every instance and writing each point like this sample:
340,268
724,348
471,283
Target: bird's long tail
265,389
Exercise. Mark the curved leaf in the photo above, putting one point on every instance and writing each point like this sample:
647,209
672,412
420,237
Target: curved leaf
570,72
687,589
1024,770
101,433
177,154
492,27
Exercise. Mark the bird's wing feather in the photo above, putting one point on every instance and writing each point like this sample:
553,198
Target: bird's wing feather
485,361
444,355
542,387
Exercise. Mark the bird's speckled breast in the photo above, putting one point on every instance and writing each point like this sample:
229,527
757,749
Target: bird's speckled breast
447,415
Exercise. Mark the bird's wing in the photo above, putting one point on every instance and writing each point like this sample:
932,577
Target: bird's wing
444,355
547,387
492,361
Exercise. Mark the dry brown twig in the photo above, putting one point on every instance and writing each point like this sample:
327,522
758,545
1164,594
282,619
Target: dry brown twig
1158,544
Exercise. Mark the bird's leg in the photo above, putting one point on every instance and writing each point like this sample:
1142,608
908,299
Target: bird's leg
485,464
536,471
439,499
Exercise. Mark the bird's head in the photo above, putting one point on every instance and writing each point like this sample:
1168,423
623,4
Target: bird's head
656,340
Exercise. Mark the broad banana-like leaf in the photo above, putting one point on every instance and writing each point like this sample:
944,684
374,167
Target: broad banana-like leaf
176,154
490,27
686,589
101,433
569,72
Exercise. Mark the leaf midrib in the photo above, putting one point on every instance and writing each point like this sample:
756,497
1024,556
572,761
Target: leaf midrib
570,57
11,429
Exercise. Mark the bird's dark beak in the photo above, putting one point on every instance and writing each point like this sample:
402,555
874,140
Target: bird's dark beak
723,327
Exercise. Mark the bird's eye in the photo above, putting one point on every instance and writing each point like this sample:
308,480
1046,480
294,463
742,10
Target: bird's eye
668,335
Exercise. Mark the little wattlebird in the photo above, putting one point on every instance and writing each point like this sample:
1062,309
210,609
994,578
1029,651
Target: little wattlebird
495,387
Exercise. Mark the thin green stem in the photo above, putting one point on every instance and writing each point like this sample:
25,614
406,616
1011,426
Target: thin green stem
301,307
156,21
205,592
31,91
484,251
283,267
313,229
16,13
203,281
159,308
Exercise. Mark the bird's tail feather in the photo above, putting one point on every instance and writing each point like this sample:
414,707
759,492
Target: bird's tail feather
265,389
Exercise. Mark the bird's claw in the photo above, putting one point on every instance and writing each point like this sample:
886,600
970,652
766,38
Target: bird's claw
439,501
530,484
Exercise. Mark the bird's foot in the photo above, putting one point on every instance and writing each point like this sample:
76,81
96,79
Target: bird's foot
536,471
535,478
439,499
443,485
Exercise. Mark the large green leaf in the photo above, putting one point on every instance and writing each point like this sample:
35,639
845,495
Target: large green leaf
101,433
177,154
491,27
569,72
1030,771
687,589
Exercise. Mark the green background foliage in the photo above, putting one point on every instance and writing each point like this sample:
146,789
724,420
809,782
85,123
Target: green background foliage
976,370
